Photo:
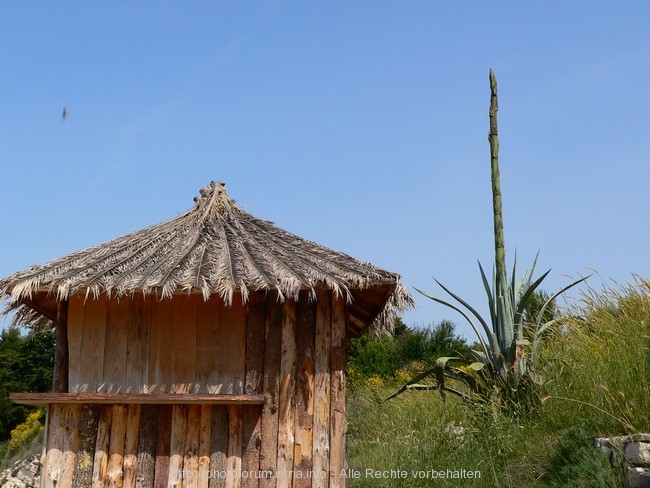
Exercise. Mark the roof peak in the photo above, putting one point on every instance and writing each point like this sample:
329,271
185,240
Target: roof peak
212,197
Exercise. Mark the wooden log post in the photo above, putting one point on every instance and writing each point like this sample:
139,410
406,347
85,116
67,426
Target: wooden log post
255,329
322,356
100,463
55,435
269,436
177,444
338,422
205,438
61,357
191,449
219,442
117,439
71,443
83,471
163,446
235,446
146,461
286,396
305,336
131,446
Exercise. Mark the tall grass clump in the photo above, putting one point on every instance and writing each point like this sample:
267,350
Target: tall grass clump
597,363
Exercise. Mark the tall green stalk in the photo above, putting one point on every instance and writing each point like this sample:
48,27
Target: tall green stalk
504,330
505,371
499,244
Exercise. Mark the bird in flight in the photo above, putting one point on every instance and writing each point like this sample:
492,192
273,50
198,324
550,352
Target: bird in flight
64,114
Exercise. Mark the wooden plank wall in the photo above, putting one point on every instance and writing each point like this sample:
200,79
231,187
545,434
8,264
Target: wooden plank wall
293,353
142,345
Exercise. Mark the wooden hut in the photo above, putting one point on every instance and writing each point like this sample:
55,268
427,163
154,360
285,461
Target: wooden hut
205,351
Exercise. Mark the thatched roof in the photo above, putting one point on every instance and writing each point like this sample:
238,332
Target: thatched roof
214,248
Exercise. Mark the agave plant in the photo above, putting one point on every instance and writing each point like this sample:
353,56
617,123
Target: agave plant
503,370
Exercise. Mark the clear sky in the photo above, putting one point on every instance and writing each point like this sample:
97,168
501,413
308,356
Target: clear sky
359,125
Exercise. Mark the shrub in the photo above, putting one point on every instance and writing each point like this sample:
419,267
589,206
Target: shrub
409,350
23,434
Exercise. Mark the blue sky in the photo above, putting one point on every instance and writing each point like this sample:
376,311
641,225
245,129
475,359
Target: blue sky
359,125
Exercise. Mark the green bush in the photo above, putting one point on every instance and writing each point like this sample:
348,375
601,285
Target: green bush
385,356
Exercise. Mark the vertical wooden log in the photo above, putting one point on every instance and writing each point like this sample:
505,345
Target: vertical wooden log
208,342
75,329
94,340
116,343
131,445
147,446
338,422
191,449
100,463
235,447
286,415
205,437
269,436
177,445
219,454
255,330
137,352
161,348
53,457
184,345
115,469
163,433
71,443
305,336
60,381
45,437
321,432
83,471
251,457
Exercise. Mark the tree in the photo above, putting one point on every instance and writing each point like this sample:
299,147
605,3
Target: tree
26,365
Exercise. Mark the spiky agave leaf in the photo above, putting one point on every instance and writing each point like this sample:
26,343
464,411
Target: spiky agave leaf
465,316
490,294
540,328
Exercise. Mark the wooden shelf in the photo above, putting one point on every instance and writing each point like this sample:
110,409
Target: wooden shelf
39,399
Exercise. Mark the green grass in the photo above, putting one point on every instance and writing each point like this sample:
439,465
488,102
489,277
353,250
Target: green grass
596,368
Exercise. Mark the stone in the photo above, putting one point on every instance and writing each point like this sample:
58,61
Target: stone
638,477
638,453
24,473
614,447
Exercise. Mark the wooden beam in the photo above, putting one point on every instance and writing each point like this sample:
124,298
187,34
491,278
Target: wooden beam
60,382
286,397
338,422
304,400
322,372
271,381
38,399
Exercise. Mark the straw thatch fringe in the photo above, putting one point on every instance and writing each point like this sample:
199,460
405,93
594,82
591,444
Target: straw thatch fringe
214,248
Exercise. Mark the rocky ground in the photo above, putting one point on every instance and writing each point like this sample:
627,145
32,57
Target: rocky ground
24,473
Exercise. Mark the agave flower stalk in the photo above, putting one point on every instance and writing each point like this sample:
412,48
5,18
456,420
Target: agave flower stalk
504,367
